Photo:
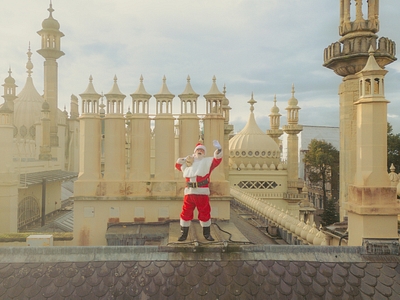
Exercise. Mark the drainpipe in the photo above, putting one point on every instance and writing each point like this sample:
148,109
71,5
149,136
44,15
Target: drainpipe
44,201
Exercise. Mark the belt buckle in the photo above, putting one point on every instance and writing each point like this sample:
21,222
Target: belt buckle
195,184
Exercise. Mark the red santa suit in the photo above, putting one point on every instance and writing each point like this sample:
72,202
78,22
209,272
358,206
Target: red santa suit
197,190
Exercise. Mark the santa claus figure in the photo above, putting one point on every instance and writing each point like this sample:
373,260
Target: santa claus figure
196,170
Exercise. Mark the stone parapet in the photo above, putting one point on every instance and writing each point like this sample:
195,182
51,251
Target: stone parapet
349,56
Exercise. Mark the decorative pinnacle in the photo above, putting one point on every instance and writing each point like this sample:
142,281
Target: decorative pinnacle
115,78
50,9
252,102
90,78
29,65
188,78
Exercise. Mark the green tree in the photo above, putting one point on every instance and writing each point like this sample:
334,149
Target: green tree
322,167
330,214
393,149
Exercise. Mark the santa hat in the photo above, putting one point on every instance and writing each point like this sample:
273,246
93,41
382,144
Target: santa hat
200,146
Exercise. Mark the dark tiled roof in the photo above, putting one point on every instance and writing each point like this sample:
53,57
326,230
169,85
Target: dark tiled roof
246,272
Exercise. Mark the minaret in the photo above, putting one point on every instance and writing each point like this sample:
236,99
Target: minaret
8,177
274,123
114,140
9,91
347,57
372,206
50,50
140,135
293,129
189,130
90,141
164,135
214,125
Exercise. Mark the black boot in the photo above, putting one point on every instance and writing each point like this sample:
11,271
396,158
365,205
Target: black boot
185,231
207,235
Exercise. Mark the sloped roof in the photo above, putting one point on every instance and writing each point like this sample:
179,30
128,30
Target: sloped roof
242,272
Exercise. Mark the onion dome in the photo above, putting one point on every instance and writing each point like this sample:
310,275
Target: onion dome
28,106
252,146
9,80
275,109
50,23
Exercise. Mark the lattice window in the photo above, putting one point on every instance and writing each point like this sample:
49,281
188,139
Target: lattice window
28,211
259,185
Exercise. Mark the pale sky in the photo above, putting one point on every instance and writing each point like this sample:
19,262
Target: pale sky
259,46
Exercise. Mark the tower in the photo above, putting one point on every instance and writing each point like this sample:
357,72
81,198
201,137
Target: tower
188,121
8,177
164,135
140,135
114,140
274,123
293,129
50,50
90,142
346,57
214,124
372,203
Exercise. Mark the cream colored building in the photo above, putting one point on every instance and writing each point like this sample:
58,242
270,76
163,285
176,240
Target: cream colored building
39,142
125,159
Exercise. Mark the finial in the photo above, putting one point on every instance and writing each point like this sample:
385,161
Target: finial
115,78
90,78
224,90
9,72
392,168
29,65
164,79
371,50
50,9
252,102
141,78
188,78
292,90
214,79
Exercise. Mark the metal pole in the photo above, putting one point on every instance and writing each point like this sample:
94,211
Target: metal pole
44,201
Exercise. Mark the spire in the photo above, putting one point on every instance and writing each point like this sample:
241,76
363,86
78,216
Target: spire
252,102
115,88
164,88
141,90
214,89
188,89
371,64
29,65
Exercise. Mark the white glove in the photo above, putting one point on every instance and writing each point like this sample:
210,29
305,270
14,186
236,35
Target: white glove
216,144
181,161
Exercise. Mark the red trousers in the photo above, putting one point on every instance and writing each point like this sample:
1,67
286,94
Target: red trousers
190,202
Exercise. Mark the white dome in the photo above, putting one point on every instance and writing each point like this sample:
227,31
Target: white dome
252,146
27,110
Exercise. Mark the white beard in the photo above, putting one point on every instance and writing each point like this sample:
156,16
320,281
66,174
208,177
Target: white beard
200,167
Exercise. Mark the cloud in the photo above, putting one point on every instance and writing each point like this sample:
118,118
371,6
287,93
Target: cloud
250,46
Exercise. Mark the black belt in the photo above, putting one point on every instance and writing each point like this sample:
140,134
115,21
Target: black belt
196,184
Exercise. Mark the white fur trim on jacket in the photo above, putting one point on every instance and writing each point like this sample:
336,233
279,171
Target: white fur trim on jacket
198,168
